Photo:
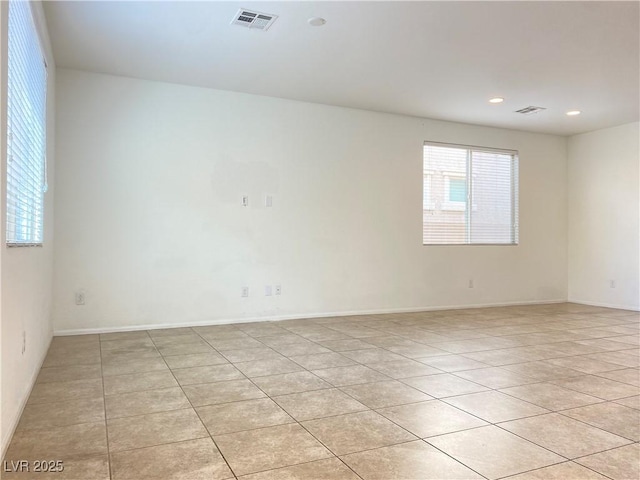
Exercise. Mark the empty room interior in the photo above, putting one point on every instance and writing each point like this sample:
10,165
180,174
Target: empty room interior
320,240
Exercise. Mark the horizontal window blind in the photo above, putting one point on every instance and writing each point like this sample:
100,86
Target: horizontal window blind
26,128
471,196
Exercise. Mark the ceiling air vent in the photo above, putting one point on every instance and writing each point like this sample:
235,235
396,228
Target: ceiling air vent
530,110
251,19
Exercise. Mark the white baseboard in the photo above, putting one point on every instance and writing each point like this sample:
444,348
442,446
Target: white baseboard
635,308
274,318
23,402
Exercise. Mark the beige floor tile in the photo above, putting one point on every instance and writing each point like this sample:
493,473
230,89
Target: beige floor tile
269,448
493,452
59,443
318,404
627,375
564,435
140,365
427,419
58,414
583,364
346,345
371,355
154,429
66,357
355,432
295,349
62,391
623,359
126,355
190,460
495,407
174,339
129,344
284,339
551,397
599,387
353,375
631,402
452,363
444,385
106,337
94,468
286,383
496,358
195,360
322,360
207,374
417,351
618,464
542,371
329,469
495,377
413,460
404,368
235,343
222,392
69,373
385,394
250,354
561,471
611,417
148,401
138,382
244,415
268,366
186,349
161,332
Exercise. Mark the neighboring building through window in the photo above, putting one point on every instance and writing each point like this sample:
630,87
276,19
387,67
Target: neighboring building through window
470,195
26,129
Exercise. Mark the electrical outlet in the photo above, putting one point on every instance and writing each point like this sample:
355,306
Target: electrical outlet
268,201
268,290
612,284
245,200
80,298
471,283
278,290
245,292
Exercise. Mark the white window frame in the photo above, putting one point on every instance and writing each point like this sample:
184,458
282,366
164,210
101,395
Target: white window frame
26,128
470,204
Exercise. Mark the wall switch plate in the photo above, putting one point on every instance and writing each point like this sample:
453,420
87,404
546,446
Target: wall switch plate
471,283
612,284
80,298
244,292
24,342
267,290
278,290
268,201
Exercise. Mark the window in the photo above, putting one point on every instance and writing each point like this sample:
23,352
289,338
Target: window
26,124
472,195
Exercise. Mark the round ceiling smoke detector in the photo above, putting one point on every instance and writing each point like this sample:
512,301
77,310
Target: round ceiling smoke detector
316,21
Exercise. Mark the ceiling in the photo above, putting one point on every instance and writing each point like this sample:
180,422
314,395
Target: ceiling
440,60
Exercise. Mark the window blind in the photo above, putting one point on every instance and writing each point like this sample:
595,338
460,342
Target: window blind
470,195
26,128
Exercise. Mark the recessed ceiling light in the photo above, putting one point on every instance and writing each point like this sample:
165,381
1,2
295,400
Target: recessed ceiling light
496,100
316,21
572,113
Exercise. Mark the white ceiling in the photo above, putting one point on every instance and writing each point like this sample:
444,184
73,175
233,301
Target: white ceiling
440,60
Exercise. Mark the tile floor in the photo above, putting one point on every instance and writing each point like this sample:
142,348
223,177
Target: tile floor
525,392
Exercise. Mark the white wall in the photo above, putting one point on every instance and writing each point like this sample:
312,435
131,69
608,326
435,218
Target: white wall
149,224
604,212
27,273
